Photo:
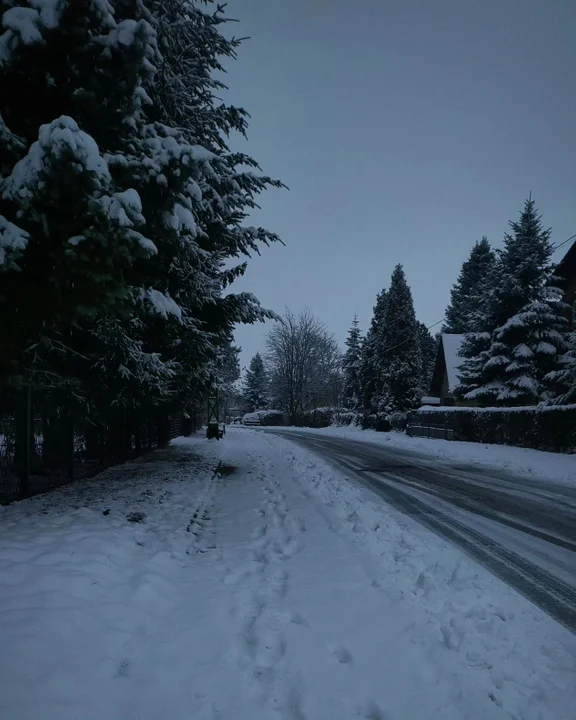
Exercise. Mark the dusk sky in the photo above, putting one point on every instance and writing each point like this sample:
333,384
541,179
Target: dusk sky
405,131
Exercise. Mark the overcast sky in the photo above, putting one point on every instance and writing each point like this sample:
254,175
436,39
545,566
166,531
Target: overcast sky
405,130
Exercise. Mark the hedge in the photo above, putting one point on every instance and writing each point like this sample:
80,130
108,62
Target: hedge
326,416
540,427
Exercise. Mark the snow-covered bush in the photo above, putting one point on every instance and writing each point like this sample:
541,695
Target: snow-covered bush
375,421
322,417
345,418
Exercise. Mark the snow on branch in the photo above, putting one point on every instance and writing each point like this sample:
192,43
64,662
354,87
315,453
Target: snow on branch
26,25
161,304
124,208
61,137
13,241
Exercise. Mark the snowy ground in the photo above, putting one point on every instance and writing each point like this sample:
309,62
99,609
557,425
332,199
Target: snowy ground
278,591
556,467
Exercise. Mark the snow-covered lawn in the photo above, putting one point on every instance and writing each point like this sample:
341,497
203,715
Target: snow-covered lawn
556,467
280,590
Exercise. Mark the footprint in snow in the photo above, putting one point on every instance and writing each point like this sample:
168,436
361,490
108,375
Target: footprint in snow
298,619
271,648
372,711
236,575
342,654
259,531
123,669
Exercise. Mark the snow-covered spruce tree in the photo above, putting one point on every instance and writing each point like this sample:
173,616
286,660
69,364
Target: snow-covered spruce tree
530,345
256,391
428,351
372,347
224,188
562,380
84,228
523,265
521,271
179,185
351,391
469,289
401,358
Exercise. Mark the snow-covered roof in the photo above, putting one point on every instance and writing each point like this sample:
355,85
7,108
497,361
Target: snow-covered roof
452,344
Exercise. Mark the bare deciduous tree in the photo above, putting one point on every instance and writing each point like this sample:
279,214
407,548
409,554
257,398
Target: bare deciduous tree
303,361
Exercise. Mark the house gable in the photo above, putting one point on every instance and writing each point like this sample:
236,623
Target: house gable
446,378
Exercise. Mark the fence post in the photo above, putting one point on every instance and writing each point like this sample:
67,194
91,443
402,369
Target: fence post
25,479
23,440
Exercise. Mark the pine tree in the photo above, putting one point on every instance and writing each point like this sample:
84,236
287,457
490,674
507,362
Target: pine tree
351,392
84,225
469,290
224,185
530,345
474,354
256,385
372,347
523,266
562,380
134,273
401,358
503,362
428,351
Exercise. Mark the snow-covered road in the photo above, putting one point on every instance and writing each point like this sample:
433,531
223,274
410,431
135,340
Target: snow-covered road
523,529
273,588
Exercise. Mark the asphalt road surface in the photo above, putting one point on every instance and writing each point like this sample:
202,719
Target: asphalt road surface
523,530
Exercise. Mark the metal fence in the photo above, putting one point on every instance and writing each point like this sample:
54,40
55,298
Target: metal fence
48,439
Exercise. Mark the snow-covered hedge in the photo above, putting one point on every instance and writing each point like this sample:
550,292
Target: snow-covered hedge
346,418
376,421
324,417
539,427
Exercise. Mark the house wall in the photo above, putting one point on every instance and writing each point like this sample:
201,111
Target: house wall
567,271
446,397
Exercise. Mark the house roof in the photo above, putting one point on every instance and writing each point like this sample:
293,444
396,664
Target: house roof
566,268
452,345
447,361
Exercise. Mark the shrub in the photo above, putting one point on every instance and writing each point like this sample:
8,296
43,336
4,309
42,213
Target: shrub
539,427
398,421
323,417
346,417
264,417
377,422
